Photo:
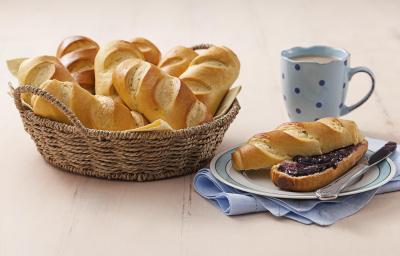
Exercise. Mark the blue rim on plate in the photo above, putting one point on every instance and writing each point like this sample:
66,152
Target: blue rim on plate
221,168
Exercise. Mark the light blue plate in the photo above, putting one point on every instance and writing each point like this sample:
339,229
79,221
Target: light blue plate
259,182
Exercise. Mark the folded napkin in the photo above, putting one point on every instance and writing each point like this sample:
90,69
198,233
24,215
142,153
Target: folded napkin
234,202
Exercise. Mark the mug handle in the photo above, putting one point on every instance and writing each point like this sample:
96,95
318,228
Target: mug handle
352,72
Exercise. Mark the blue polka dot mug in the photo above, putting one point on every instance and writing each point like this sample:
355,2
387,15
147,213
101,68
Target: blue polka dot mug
315,82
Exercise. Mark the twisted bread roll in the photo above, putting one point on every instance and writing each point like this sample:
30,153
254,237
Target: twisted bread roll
211,74
177,60
34,71
94,111
297,138
77,53
107,58
148,49
145,88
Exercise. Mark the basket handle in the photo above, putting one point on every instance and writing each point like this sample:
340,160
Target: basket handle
201,46
50,98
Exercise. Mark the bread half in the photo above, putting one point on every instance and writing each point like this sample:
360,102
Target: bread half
317,180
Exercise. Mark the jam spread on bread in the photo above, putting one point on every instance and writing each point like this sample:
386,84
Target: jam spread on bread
307,165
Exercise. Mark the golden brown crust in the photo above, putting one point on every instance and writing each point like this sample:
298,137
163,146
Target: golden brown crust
94,111
298,138
317,180
240,159
73,43
73,60
211,74
60,90
177,60
331,133
150,52
81,65
77,54
107,58
147,89
34,71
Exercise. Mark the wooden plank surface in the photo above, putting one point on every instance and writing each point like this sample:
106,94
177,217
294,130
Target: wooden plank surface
48,212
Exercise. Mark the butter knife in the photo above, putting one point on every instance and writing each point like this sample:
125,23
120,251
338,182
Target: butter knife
332,190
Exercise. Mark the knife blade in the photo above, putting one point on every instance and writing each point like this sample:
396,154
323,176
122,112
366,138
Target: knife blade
382,153
332,190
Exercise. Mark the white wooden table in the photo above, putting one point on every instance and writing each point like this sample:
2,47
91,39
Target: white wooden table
48,212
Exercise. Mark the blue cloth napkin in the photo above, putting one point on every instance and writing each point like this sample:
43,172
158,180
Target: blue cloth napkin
234,202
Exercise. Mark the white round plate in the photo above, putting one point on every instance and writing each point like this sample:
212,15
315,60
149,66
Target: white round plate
259,182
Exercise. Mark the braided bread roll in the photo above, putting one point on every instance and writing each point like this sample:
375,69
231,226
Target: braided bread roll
94,111
34,71
107,58
147,89
177,60
297,138
77,53
211,74
150,52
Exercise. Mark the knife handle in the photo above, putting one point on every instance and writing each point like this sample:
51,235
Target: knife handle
332,190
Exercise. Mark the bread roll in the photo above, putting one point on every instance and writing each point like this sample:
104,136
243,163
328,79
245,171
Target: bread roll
77,53
34,71
94,111
211,74
312,182
140,120
74,43
297,138
148,49
147,89
108,57
177,60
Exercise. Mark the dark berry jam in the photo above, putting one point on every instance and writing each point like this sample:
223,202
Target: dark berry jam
307,165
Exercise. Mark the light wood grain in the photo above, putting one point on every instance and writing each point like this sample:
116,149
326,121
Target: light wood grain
48,212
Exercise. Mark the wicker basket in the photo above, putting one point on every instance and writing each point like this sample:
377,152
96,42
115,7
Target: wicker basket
126,155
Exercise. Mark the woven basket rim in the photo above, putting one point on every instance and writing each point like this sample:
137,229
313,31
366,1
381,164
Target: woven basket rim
233,111
121,155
